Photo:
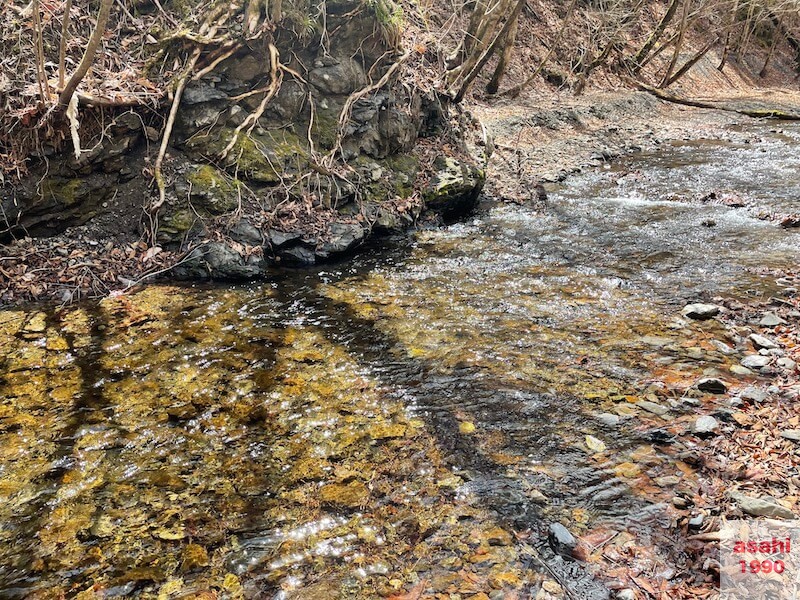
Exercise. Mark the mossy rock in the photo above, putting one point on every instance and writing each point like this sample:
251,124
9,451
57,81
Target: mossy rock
266,157
173,225
212,190
454,188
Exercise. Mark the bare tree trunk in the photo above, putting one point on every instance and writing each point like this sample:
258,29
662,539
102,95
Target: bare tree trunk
41,74
727,48
465,74
691,62
62,48
775,37
505,58
88,54
516,90
636,62
678,44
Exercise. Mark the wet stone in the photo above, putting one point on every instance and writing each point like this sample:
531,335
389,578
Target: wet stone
351,495
561,540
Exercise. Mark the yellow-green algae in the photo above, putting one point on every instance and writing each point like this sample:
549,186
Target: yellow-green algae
146,440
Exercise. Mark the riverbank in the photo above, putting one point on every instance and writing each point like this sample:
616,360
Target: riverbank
535,143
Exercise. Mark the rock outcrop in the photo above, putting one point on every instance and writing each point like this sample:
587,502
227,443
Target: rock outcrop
323,167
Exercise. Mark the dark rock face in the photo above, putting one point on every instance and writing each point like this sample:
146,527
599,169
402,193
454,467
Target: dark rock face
215,172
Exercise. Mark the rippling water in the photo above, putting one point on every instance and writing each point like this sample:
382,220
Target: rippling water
409,420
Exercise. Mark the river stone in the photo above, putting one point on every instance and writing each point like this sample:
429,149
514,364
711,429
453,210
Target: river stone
754,394
653,407
279,238
770,319
700,312
705,425
755,361
761,508
712,385
608,419
759,341
787,363
561,540
342,237
740,370
722,347
791,434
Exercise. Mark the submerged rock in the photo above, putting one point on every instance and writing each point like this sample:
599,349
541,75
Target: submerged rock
561,540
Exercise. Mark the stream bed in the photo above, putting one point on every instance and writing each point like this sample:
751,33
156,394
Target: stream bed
405,424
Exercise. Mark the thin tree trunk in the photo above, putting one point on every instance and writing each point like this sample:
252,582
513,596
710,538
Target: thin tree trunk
775,37
726,50
636,62
62,48
88,54
678,44
480,60
517,89
505,58
691,62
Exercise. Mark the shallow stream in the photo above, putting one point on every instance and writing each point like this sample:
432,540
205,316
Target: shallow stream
406,423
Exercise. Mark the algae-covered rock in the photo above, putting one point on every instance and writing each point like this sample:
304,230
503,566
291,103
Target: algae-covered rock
351,495
212,190
454,187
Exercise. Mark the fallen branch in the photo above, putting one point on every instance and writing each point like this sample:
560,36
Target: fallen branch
757,113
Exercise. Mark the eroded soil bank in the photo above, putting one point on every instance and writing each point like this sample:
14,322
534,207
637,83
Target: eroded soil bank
415,422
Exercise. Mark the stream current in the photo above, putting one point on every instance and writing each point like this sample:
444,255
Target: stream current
409,421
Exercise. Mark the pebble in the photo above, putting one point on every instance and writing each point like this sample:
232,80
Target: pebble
754,394
653,407
712,385
625,594
787,363
667,481
700,312
679,502
791,434
696,522
705,425
770,319
760,341
561,540
740,370
761,508
722,347
608,419
755,361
